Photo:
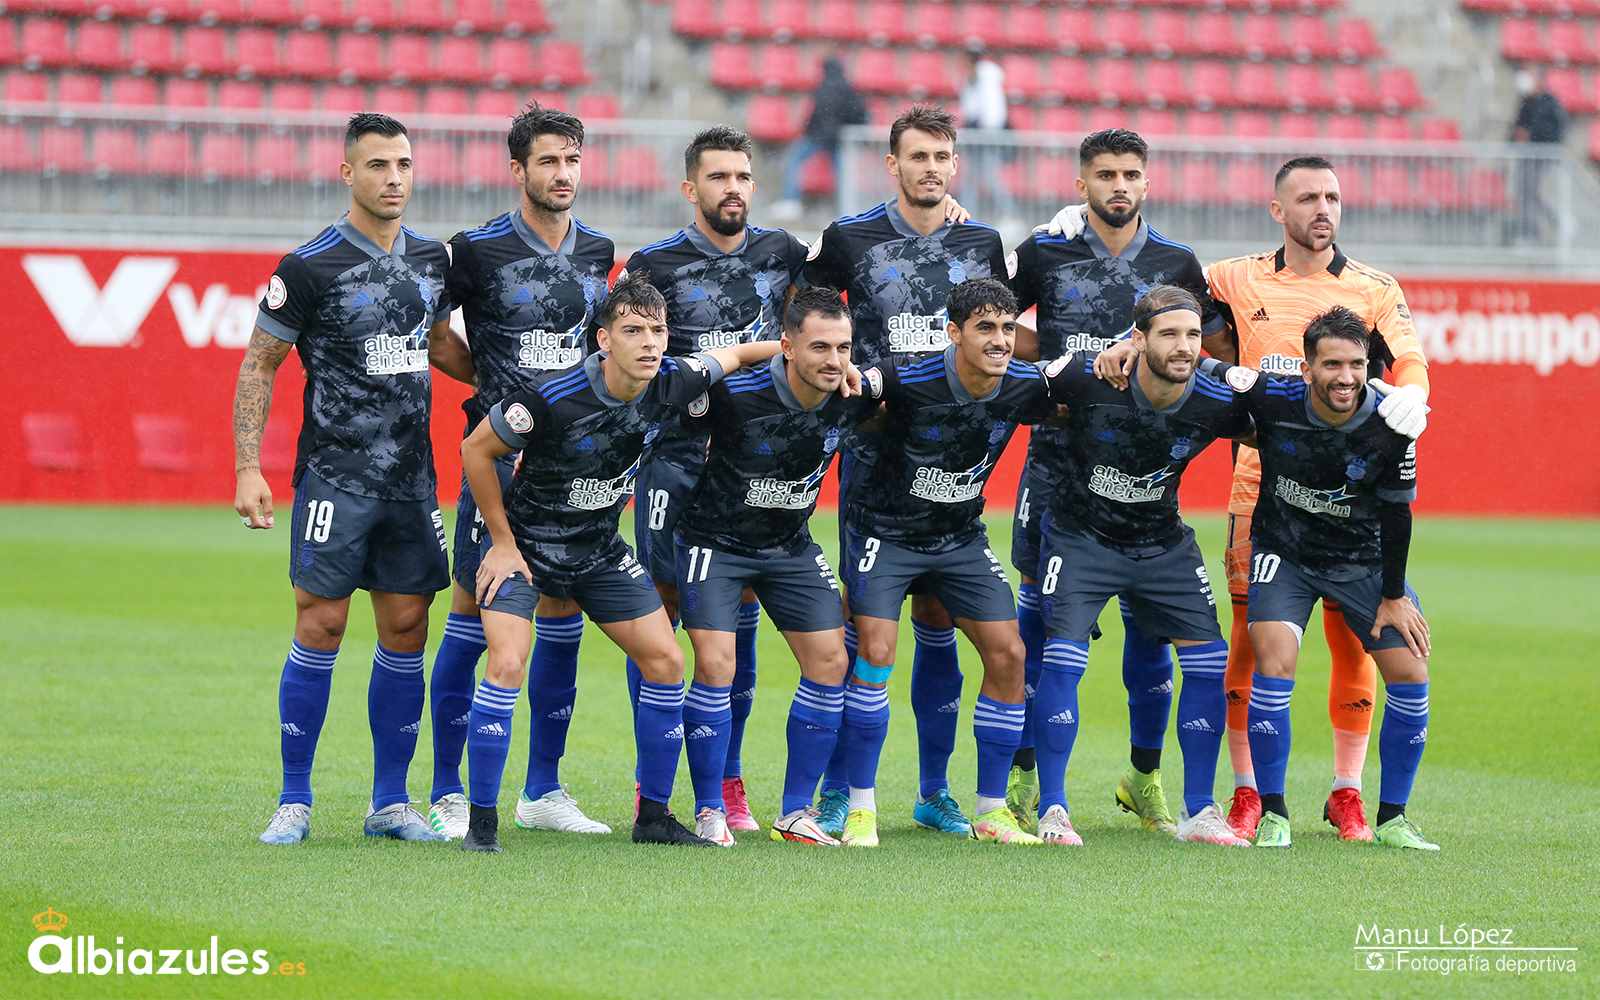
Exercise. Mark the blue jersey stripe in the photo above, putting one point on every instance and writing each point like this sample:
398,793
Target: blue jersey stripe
930,377
327,238
751,386
1151,231
672,240
416,235
499,227
557,384
590,230
867,216
922,364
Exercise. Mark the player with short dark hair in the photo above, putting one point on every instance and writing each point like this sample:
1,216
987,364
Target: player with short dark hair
581,432
1085,286
1334,523
948,418
1111,526
360,302
530,284
773,432
725,281
898,263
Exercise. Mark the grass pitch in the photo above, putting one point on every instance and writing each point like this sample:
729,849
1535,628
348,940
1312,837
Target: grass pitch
141,654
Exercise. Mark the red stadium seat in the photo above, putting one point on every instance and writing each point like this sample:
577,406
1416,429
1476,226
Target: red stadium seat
241,95
204,52
1169,34
1256,85
169,154
1211,83
1389,186
409,57
445,101
1122,32
1486,190
1022,117
321,158
79,88
26,88
1165,85
1309,38
1301,125
1214,35
485,164
1392,128
930,75
1158,122
459,60
1254,125
255,52
525,17
1118,82
325,14
1077,32
838,20
344,98
359,57
510,60
291,96
424,15
224,156
1069,78
1439,190
1568,86
1346,127
787,67
1594,145
1569,43
9,53
1397,90
309,55
277,158
1061,119
876,72
789,20
116,151
44,43
479,16
696,19
932,26
1249,182
771,118
1355,42
18,154
274,12
62,150
816,177
1022,79
99,46
135,92
599,107
885,23
1204,125
637,169
397,101
216,12
496,103
1263,37
162,443
733,66
130,10
1198,182
1307,88
181,93
981,25
52,440
1027,27
1097,118
1522,41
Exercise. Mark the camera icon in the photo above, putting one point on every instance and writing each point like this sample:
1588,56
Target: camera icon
1373,961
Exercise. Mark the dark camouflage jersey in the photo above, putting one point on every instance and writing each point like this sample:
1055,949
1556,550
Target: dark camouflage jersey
768,456
1321,486
1085,297
360,319
580,453
1123,458
939,447
717,299
528,308
899,280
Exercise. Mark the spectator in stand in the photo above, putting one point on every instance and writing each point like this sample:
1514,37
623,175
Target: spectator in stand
1540,119
983,106
835,105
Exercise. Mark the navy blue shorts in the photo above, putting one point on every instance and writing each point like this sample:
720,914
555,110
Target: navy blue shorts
1168,593
342,542
1033,498
798,592
661,492
617,591
967,579
471,539
1281,591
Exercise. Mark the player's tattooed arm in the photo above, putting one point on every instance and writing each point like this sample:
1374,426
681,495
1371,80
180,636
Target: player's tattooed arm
448,352
252,401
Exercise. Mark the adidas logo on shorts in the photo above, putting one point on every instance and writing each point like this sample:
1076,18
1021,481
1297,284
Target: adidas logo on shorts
493,729
1061,718
1264,727
413,729
1198,726
951,707
564,712
701,733
675,733
290,729
1421,737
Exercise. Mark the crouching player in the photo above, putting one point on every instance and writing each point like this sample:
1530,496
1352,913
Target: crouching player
554,537
774,431
1334,523
949,417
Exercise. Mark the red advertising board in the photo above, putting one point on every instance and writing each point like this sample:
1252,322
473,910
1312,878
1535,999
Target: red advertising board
118,371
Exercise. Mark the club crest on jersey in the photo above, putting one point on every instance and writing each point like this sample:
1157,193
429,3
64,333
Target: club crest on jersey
1181,449
651,433
1356,470
958,272
830,440
277,294
1243,379
763,284
589,292
997,432
518,418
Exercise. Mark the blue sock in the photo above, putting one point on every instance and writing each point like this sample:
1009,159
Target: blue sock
394,713
552,692
635,679
835,776
707,722
866,726
744,685
488,741
814,719
1202,719
1269,731
302,707
1030,624
1147,674
657,737
936,700
450,698
997,726
1055,716
1402,739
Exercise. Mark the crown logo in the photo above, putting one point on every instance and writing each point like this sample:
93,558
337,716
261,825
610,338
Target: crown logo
51,921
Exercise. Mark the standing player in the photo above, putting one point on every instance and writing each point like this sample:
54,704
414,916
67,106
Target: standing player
1085,287
531,284
774,432
948,419
899,263
725,282
581,432
1334,523
1268,299
1112,526
360,302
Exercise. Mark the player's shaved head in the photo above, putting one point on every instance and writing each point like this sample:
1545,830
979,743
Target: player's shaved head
1338,323
1299,163
536,120
633,294
377,166
369,123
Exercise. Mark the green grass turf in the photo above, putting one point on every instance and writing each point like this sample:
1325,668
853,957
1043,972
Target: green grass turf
141,655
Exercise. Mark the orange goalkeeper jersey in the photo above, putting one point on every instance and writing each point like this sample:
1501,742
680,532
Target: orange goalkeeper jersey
1270,307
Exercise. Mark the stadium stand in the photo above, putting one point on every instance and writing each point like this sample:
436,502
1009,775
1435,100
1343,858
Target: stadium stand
1563,37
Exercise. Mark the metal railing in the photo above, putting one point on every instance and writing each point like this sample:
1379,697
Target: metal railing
1405,204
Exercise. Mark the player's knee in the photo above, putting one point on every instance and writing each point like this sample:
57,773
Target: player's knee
876,649
662,666
827,668
714,667
1003,661
505,668
319,627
